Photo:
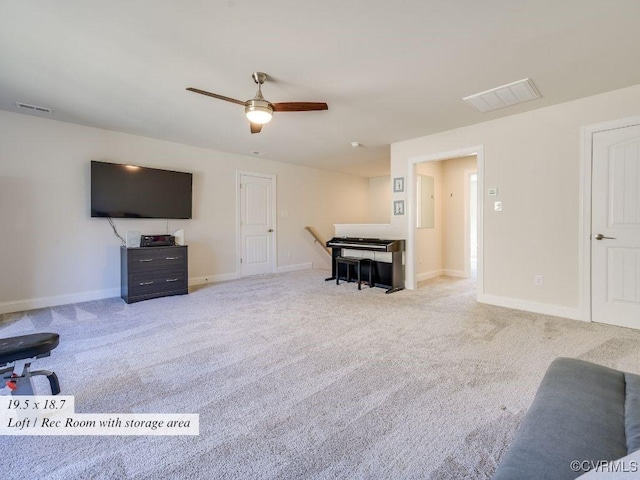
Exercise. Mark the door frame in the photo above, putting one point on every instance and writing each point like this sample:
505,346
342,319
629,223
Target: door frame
467,218
274,216
584,244
411,257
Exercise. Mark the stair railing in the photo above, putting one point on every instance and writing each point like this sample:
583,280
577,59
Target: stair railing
317,238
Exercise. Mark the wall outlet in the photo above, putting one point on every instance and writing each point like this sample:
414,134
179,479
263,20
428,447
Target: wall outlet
538,280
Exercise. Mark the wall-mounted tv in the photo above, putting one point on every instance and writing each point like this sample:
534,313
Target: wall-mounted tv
128,191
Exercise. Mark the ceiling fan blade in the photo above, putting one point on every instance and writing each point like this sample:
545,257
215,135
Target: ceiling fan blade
215,95
256,127
299,106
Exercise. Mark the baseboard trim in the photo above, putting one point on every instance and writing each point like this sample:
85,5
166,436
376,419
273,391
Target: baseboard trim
56,300
454,273
294,268
224,277
534,307
438,273
428,275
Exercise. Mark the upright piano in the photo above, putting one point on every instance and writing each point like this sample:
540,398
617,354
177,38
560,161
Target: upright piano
386,255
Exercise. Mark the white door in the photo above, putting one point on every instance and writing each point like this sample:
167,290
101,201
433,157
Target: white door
615,227
257,227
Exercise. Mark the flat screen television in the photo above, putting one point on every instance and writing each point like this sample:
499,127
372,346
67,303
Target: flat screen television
128,191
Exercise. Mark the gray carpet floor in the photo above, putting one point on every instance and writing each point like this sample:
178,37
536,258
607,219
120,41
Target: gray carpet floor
294,378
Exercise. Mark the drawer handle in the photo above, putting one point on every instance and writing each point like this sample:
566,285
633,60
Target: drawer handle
146,260
172,258
146,283
171,280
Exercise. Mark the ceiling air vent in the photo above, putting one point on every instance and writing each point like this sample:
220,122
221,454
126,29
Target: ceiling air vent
34,108
504,96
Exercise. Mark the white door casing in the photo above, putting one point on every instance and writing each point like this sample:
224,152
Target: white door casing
256,222
615,215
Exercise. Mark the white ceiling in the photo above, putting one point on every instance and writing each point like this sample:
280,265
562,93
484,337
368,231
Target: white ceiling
389,70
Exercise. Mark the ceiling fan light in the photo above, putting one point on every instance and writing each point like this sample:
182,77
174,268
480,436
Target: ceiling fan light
258,111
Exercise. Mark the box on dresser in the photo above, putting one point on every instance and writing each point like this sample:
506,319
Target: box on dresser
152,272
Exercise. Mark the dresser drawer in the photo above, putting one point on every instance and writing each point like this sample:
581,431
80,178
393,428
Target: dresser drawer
154,258
157,282
153,272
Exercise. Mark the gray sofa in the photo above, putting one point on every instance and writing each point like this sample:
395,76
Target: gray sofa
583,413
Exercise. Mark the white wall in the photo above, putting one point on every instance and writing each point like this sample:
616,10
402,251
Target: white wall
379,200
54,253
533,159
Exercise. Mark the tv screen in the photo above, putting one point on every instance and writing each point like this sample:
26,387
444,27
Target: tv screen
128,191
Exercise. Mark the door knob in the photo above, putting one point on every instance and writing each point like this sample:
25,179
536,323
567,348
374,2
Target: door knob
270,230
600,236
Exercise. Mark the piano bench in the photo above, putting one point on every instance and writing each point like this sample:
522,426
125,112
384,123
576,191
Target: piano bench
356,262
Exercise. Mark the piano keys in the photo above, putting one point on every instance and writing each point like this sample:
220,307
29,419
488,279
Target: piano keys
386,255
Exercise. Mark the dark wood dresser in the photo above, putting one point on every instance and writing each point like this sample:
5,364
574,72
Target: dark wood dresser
151,272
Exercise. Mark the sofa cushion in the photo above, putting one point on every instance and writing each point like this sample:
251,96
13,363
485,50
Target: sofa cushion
632,411
577,414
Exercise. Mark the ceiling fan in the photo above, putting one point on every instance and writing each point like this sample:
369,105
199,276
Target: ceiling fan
258,110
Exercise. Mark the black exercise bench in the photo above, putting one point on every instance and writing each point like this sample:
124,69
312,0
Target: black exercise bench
16,355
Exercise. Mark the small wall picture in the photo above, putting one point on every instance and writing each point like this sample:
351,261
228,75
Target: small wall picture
398,207
398,184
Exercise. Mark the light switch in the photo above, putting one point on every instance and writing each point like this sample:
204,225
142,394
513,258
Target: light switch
497,206
492,192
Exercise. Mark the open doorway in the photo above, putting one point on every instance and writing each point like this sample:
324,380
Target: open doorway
446,232
453,246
